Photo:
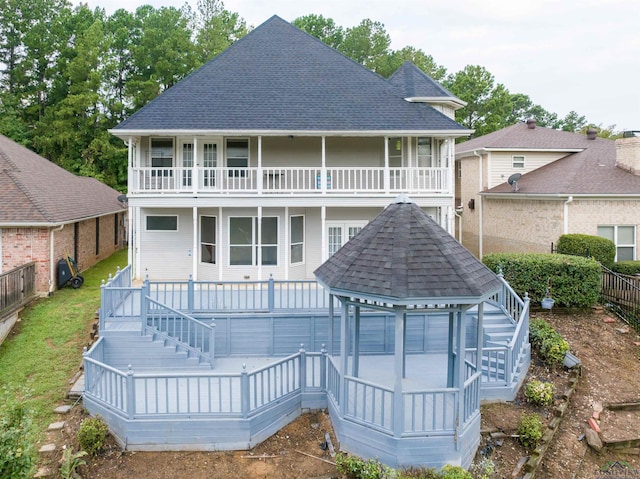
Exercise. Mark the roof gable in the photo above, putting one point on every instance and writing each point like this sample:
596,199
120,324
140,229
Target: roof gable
404,255
35,191
280,78
412,82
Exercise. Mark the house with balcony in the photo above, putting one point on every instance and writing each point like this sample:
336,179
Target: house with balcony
267,159
520,188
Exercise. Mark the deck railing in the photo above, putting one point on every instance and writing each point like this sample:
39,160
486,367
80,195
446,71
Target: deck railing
182,330
430,411
242,394
508,299
300,180
17,287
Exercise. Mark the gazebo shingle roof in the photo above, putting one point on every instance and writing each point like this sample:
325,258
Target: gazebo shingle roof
403,256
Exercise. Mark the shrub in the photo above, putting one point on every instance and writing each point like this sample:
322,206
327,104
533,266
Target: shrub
418,472
455,472
354,467
539,393
92,435
630,268
547,341
575,281
17,456
70,462
530,430
485,469
601,249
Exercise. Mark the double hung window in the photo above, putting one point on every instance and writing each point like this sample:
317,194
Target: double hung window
243,241
624,237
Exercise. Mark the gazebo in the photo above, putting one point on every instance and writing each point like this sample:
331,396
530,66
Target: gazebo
407,409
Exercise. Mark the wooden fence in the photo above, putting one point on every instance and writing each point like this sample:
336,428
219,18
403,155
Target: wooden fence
17,288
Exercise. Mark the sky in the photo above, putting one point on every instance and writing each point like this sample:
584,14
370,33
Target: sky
566,55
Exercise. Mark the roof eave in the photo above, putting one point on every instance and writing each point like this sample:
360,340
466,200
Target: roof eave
411,301
126,134
559,196
453,102
462,153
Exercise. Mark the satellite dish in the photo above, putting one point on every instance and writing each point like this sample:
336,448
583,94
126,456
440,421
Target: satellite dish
122,199
513,180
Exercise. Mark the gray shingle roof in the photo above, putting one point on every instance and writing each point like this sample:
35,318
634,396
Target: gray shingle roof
413,82
404,255
280,78
35,191
590,171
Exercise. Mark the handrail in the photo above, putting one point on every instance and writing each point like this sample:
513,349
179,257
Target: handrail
197,337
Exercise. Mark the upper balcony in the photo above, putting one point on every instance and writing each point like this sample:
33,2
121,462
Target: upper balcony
302,166
269,180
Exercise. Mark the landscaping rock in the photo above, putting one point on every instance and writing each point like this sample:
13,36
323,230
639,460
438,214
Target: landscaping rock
43,472
593,439
47,448
62,409
55,426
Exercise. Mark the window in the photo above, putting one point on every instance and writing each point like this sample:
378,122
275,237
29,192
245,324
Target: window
162,223
162,153
518,161
208,239
395,152
97,236
237,157
624,237
243,241
297,239
423,152
339,234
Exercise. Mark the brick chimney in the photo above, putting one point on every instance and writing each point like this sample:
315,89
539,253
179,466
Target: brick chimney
628,154
531,123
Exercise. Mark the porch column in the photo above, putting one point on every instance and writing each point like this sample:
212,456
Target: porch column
331,325
410,172
259,238
323,170
194,168
356,343
260,176
399,358
219,248
323,225
196,243
137,241
287,243
344,358
130,245
387,173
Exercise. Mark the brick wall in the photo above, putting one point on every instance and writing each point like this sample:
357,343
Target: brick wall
22,245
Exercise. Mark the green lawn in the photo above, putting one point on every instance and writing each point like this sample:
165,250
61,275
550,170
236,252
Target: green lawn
37,363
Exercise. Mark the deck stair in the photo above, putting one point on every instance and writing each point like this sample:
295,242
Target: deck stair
146,352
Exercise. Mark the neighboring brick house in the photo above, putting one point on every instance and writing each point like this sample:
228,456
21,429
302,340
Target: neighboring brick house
569,183
48,213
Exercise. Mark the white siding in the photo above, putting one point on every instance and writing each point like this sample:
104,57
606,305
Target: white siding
502,164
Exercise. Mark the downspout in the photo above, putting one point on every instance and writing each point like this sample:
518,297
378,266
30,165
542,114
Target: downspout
480,231
566,215
52,270
455,213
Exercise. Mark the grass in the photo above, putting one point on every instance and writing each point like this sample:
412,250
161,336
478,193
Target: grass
37,363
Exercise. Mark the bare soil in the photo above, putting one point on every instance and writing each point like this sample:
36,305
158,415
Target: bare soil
609,353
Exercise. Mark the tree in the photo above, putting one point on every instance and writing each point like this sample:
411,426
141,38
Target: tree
387,64
216,29
573,122
322,28
366,43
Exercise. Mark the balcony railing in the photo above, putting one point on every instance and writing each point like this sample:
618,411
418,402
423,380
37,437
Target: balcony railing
346,180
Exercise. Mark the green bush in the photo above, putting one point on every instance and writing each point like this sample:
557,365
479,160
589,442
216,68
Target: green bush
547,341
17,456
530,430
574,281
539,393
354,467
455,472
629,268
92,435
601,249
418,472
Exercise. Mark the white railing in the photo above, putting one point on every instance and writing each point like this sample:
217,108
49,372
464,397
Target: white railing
369,404
430,411
302,180
471,397
273,382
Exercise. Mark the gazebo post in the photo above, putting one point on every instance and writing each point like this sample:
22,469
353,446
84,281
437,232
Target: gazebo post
450,353
398,403
460,373
331,325
356,343
480,338
344,351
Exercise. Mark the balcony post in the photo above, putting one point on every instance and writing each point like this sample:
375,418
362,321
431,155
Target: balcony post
244,392
323,368
131,393
260,177
194,167
303,369
323,171
387,174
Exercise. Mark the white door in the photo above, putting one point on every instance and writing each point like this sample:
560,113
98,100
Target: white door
339,233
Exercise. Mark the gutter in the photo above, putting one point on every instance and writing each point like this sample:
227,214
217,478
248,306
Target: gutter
52,271
566,215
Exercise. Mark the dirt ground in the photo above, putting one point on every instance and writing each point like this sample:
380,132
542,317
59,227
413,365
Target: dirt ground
610,374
